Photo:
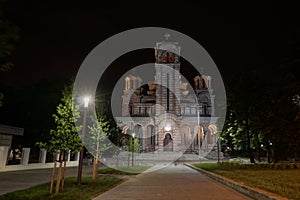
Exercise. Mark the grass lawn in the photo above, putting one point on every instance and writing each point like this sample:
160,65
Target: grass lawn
89,189
124,170
285,182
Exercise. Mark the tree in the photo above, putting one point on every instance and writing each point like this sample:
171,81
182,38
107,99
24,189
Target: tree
263,110
132,145
243,122
97,140
64,137
282,112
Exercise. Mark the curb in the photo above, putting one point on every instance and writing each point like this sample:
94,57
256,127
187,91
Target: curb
32,166
240,187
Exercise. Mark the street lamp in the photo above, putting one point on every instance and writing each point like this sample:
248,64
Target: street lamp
86,105
86,101
133,134
168,128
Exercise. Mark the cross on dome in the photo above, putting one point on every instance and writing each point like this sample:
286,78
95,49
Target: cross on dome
167,35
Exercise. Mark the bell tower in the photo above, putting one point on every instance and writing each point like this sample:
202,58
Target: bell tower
167,77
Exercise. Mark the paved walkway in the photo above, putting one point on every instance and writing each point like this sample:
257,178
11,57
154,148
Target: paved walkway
172,182
21,179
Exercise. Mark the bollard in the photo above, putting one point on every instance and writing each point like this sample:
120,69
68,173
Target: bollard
56,155
25,156
69,156
42,157
3,156
77,156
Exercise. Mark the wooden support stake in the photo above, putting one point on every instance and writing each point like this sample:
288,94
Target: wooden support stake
63,175
52,176
58,176
117,162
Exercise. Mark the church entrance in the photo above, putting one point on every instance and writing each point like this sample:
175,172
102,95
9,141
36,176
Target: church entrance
168,142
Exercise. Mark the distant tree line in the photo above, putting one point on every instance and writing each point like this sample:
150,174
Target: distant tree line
263,117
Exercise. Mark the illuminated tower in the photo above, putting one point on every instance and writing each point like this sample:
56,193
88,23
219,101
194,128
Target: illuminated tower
167,79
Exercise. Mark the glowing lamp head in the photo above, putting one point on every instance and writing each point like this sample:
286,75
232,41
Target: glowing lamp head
168,128
86,102
133,134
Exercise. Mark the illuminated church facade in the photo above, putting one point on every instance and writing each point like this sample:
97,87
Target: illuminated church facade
168,114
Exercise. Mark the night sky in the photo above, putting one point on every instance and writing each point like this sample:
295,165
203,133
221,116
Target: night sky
56,36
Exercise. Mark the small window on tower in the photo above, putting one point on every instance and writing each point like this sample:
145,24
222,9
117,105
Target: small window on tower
164,58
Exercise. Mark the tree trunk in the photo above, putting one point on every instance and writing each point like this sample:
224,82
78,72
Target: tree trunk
274,153
95,167
117,162
128,159
252,160
257,147
268,155
258,153
249,143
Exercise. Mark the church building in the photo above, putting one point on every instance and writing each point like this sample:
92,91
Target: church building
166,113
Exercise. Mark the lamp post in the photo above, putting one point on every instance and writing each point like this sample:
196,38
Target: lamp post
86,105
198,123
132,149
218,148
205,131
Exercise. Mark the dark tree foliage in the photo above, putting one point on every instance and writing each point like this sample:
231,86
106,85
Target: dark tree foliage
282,113
9,34
263,112
64,136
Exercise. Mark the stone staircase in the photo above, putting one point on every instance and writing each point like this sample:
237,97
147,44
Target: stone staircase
158,156
161,157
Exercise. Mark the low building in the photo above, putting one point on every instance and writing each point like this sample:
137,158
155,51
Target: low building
6,136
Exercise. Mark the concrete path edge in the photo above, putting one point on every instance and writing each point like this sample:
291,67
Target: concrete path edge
254,193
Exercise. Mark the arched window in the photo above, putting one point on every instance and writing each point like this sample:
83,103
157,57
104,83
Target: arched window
205,110
208,82
171,59
204,83
165,58
212,130
127,83
133,83
198,82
